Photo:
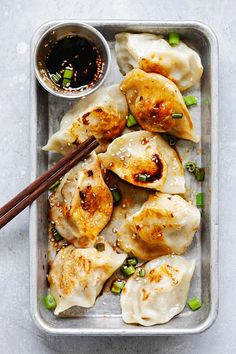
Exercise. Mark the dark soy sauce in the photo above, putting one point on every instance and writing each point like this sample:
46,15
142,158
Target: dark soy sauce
74,63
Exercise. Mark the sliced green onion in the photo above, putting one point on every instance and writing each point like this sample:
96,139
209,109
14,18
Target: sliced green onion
54,185
65,82
172,140
56,235
127,270
116,195
100,246
131,121
199,174
132,261
190,166
174,38
199,199
142,177
177,115
50,302
190,100
56,77
68,73
117,286
142,273
194,303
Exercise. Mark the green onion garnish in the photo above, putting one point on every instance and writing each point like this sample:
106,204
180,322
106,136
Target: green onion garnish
56,77
56,235
132,261
117,286
100,247
116,195
190,166
50,302
67,76
127,270
68,73
199,199
54,185
172,140
142,273
131,121
174,38
177,115
65,82
194,303
190,100
199,174
142,177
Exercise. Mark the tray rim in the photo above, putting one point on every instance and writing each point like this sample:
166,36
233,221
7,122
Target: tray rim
133,330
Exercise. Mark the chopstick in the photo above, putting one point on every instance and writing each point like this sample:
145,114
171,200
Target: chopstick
42,183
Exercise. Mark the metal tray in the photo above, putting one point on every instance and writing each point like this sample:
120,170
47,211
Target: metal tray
46,112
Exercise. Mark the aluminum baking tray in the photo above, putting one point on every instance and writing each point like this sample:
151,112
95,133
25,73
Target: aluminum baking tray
46,112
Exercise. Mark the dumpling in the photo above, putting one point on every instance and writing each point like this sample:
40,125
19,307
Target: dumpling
102,114
145,160
77,275
152,53
82,204
161,294
131,200
155,101
165,224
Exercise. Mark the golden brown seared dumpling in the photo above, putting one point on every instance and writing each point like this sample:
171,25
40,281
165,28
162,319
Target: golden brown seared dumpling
77,275
82,204
161,294
165,224
102,114
152,53
153,99
145,160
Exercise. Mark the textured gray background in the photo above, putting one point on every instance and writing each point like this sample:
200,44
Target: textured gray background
19,18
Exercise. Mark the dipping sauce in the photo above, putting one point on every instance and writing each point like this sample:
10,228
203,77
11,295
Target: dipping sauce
74,63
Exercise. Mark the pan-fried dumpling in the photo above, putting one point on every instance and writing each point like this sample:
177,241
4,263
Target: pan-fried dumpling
145,160
157,104
152,53
82,204
165,224
161,294
77,275
102,114
131,200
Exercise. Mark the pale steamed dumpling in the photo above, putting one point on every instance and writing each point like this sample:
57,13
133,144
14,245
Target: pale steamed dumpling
154,100
165,224
145,160
161,294
82,204
77,275
152,53
102,114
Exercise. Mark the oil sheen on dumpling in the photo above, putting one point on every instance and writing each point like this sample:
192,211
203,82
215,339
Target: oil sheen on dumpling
153,99
152,53
146,160
102,114
82,204
161,294
165,224
77,275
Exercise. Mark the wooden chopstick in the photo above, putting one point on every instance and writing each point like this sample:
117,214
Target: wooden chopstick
42,183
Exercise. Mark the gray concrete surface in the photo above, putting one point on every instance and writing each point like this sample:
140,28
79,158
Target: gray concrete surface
19,18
